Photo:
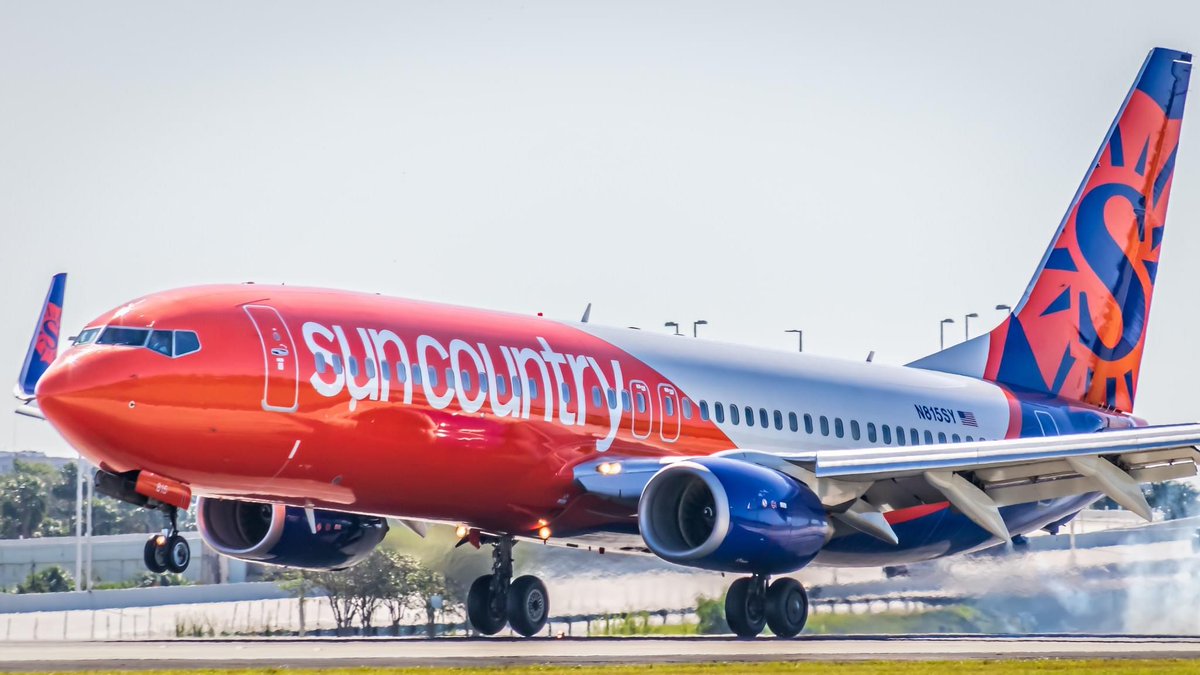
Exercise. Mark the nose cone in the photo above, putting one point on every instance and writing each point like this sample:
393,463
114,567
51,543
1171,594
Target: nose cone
78,397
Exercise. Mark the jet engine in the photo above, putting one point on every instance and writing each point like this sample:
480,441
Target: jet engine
282,535
732,516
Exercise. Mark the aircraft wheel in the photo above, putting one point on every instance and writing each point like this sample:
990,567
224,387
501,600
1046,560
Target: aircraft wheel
485,614
179,554
787,607
528,605
155,554
745,609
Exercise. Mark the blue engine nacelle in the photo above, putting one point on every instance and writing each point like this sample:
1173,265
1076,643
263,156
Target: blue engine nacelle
732,516
281,535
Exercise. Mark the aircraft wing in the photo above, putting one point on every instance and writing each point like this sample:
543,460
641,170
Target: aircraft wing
859,485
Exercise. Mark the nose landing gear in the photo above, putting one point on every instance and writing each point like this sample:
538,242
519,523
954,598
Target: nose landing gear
751,605
496,599
169,551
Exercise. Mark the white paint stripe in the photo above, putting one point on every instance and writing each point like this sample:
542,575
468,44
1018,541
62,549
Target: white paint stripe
294,449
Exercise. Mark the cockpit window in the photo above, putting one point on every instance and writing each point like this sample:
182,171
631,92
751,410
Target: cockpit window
186,342
117,335
87,336
160,341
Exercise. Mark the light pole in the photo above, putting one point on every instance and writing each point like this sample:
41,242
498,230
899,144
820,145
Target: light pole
942,332
675,325
696,324
967,324
1003,308
799,337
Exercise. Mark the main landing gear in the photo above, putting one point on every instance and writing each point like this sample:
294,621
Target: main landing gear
752,605
497,599
167,551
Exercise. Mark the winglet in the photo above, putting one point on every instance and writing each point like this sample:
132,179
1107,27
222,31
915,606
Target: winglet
43,348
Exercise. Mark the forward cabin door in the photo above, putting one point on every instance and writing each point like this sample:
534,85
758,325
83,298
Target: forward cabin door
281,390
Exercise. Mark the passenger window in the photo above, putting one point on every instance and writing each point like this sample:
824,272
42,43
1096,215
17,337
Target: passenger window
129,337
186,342
641,402
956,438
928,438
900,436
370,367
808,424
778,421
502,385
433,379
941,437
385,370
704,410
449,378
626,404
914,436
792,423
762,418
887,435
871,436
416,373
466,380
516,386
687,408
837,427
824,425
612,399
720,412
735,415
401,376
160,341
566,392
483,382
533,389
854,430
320,362
353,363
596,398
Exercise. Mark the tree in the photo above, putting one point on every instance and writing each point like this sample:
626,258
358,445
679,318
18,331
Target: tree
24,503
300,584
340,587
53,579
431,593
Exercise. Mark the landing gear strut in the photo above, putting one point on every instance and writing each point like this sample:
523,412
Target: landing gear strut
751,605
167,551
497,599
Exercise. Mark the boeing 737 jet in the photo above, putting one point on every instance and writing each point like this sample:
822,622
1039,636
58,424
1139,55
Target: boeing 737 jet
303,419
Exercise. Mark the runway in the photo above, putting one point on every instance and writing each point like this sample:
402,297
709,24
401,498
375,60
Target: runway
462,652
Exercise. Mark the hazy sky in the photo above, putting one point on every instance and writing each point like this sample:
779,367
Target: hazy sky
858,170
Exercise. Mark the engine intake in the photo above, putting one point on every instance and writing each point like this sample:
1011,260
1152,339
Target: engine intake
281,535
732,516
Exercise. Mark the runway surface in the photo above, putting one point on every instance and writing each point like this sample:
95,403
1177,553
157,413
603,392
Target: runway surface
448,652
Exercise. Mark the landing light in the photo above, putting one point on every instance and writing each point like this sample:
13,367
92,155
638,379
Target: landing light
461,531
544,533
160,540
609,468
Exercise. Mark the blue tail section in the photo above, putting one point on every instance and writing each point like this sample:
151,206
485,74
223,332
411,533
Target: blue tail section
43,348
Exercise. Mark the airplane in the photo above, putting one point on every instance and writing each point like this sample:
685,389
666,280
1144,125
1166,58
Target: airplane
303,419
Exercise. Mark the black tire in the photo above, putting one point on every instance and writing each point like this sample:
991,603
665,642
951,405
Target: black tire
485,616
179,554
787,607
155,555
743,611
528,605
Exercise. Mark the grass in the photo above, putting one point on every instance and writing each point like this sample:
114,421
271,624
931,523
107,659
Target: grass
946,620
1092,667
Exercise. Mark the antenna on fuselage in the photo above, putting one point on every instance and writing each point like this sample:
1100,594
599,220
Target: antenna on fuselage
587,313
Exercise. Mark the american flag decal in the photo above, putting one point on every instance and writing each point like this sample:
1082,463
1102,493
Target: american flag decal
967,418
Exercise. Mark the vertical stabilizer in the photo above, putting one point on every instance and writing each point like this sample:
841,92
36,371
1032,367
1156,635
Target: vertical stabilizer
1079,330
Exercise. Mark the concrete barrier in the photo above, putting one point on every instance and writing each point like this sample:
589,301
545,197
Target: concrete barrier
139,597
